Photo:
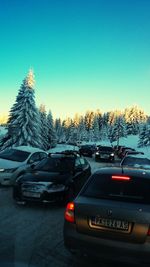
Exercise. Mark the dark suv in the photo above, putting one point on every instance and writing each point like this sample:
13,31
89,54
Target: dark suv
58,177
105,153
87,150
110,218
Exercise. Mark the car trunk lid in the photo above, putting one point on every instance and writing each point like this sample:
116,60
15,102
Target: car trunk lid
112,220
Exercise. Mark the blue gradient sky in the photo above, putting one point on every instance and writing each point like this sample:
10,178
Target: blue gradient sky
85,54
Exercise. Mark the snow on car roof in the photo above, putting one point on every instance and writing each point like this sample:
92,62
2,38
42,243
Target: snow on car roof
139,156
28,149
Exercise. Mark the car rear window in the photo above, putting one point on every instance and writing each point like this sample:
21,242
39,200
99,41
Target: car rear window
136,190
136,162
55,164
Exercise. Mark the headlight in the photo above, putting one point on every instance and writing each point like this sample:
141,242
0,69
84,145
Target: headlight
8,170
112,154
97,153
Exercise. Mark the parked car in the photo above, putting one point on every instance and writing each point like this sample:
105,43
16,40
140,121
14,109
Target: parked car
14,161
58,177
110,217
105,153
130,152
124,150
136,161
87,150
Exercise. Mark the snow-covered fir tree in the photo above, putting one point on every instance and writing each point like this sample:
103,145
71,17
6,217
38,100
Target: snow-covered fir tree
44,128
23,123
118,129
96,130
143,135
52,138
59,130
134,116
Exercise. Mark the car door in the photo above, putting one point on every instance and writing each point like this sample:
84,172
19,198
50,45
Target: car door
81,173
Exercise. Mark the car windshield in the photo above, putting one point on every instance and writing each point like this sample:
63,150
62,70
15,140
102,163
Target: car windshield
103,186
55,165
106,148
14,155
136,162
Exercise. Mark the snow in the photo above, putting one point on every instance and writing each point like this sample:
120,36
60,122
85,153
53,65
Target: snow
63,147
28,149
3,131
129,141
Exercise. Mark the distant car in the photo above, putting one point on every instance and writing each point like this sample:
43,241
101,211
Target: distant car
124,150
110,217
105,153
14,161
136,161
56,178
87,150
129,152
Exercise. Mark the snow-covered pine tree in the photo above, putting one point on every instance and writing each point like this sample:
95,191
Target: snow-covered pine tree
52,139
44,128
23,124
96,132
134,116
59,130
118,129
142,135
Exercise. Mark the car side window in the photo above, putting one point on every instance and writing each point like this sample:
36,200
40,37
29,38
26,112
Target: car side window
83,162
34,158
43,155
77,163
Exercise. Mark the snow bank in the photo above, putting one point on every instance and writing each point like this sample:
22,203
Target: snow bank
60,148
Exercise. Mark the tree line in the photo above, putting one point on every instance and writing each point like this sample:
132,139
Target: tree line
32,126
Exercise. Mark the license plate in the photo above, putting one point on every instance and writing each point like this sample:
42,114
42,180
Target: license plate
105,156
31,194
97,222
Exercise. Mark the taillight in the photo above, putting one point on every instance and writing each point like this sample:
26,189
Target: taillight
69,212
148,233
121,177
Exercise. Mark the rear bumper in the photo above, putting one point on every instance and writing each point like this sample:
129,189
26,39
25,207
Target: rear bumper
105,249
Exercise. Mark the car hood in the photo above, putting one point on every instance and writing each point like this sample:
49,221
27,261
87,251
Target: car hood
9,164
41,176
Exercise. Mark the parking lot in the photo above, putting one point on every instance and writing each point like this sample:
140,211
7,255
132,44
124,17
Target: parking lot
32,235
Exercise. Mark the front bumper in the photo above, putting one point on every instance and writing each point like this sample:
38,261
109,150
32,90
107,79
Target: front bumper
43,196
104,157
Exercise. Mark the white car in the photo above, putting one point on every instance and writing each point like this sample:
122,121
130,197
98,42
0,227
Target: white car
14,161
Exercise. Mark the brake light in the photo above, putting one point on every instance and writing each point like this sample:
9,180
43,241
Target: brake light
119,177
69,212
148,233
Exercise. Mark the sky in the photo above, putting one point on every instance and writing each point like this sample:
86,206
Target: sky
86,54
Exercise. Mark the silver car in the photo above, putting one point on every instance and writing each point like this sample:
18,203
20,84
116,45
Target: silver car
14,161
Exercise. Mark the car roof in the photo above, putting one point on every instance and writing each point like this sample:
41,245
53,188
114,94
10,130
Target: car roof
139,156
65,154
28,149
123,171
